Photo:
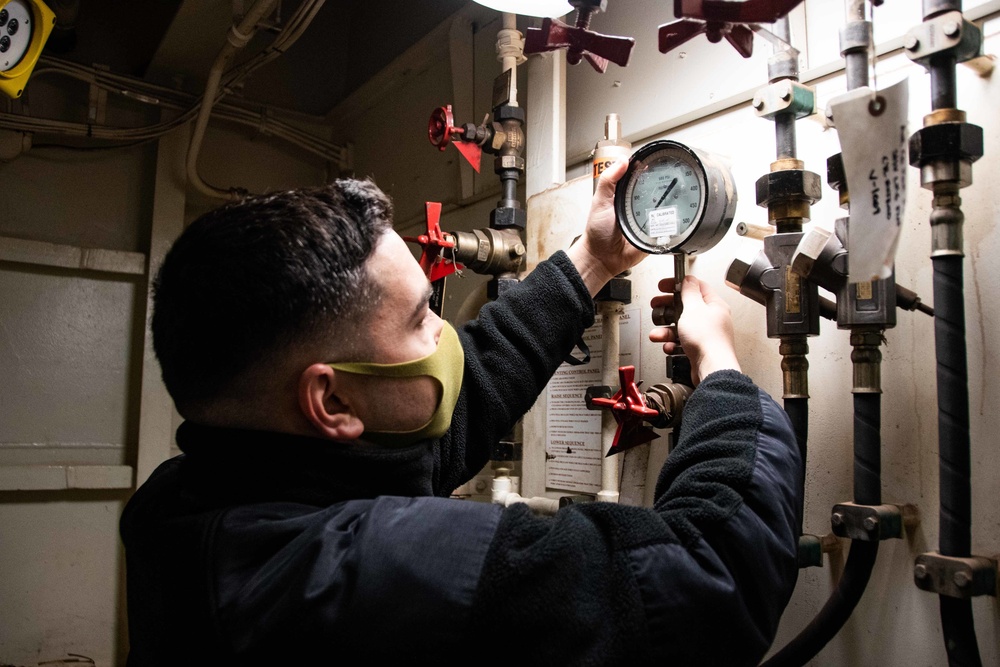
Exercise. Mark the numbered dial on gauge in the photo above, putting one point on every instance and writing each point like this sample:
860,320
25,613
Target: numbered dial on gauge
674,199
665,197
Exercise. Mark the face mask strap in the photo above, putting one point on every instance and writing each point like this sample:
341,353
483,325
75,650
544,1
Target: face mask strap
429,365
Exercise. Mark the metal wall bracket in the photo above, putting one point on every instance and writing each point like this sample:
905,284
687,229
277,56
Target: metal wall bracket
810,551
785,97
566,501
597,391
946,32
870,523
98,104
616,289
956,577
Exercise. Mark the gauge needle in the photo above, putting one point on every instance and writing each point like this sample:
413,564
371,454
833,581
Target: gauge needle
669,188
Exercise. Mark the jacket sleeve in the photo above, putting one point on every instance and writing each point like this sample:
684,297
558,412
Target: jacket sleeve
699,579
511,352
730,495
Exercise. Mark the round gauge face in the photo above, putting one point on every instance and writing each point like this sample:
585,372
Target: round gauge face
664,196
675,199
15,33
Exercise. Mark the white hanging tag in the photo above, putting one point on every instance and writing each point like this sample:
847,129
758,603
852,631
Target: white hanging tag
873,140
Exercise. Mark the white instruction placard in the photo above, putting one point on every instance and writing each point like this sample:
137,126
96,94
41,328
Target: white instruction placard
873,140
572,432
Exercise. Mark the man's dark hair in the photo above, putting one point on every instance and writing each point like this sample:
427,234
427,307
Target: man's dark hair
254,276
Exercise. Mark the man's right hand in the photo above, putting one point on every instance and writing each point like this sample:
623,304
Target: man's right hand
705,328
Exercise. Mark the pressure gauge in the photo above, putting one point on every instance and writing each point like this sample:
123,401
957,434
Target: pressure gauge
674,199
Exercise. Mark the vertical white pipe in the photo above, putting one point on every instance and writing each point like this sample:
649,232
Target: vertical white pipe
546,123
611,312
510,54
545,134
612,147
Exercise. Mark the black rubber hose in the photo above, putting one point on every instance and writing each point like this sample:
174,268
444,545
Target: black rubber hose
858,569
798,413
955,532
835,612
959,632
955,538
867,449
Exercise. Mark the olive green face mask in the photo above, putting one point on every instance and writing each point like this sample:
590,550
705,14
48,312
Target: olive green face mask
446,365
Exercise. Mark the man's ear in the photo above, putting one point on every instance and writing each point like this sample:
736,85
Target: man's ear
324,407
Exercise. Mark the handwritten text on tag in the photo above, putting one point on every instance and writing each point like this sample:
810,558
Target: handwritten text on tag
873,139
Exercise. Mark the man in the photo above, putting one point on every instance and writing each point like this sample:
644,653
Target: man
329,415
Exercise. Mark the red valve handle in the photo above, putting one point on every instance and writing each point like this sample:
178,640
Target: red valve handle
748,11
440,130
629,409
598,49
673,34
721,19
433,243
441,126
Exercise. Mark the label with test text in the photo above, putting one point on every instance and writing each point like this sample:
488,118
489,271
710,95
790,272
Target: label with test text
662,222
873,139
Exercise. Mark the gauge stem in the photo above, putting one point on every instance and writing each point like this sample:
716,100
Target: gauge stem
680,272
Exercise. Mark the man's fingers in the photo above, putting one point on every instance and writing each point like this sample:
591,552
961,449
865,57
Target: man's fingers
661,335
666,285
610,176
661,300
712,297
691,290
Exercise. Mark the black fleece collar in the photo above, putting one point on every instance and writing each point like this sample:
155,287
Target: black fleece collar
232,466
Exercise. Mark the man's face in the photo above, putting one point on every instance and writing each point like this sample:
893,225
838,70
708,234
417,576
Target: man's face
402,328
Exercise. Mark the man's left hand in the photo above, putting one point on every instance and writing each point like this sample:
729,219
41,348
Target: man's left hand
601,253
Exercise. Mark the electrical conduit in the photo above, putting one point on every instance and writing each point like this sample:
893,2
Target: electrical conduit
237,38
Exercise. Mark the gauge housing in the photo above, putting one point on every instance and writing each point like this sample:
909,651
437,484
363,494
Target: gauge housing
701,192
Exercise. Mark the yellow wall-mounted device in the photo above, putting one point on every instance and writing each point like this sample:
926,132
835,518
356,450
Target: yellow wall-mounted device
25,26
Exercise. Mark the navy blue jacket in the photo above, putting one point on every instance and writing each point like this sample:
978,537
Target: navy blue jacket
256,548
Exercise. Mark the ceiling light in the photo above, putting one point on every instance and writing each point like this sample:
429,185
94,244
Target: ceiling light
546,8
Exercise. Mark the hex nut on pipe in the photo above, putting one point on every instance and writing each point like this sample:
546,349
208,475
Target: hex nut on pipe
954,141
788,184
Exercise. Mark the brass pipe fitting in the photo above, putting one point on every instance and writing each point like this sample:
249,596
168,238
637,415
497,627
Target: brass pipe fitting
794,366
490,251
669,400
866,356
947,220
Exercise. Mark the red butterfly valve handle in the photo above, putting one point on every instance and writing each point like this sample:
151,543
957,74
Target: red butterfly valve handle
434,244
630,411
